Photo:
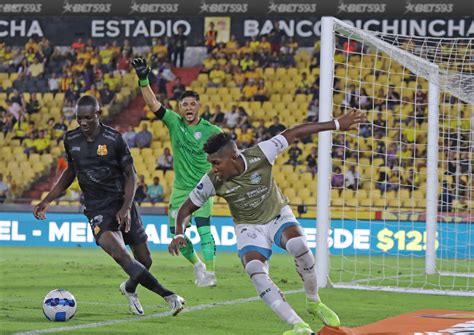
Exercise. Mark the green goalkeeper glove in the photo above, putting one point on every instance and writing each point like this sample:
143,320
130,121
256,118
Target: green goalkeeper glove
142,70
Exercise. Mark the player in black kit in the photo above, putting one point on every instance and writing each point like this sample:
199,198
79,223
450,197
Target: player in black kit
101,160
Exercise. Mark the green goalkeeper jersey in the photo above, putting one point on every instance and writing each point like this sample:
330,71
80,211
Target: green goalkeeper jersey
189,160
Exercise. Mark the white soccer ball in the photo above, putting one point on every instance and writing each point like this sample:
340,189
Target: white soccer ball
59,305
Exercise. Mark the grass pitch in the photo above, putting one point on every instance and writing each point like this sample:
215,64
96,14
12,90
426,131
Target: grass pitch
27,274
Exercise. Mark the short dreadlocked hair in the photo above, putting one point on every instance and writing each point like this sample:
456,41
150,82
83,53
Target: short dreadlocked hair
216,142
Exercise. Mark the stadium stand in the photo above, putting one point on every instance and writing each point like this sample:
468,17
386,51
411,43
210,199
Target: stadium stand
258,80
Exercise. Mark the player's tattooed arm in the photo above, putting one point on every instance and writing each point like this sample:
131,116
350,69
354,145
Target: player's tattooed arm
346,122
66,179
123,215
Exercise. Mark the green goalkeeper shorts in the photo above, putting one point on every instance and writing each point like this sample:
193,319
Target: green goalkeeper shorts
176,200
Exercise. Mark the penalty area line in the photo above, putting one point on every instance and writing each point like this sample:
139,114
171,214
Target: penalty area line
146,317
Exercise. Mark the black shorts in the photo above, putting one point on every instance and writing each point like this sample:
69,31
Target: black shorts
104,220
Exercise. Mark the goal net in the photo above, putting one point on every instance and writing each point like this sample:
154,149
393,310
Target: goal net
401,201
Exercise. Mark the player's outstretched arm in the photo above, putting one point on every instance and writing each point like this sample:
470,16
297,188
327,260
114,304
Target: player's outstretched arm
143,70
182,218
346,122
58,189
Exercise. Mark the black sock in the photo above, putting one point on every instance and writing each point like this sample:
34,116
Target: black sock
138,273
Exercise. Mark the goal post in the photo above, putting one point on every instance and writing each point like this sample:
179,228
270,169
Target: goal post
413,199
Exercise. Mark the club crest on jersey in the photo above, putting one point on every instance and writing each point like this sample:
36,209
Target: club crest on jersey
197,135
102,150
255,178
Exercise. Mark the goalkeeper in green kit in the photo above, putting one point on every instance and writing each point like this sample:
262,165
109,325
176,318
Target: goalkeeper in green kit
188,133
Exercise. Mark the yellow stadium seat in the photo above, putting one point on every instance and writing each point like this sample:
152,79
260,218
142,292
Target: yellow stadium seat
296,200
379,203
48,97
366,203
394,203
287,98
337,202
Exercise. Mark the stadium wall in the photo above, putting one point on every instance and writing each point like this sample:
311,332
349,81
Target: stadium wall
397,238
139,30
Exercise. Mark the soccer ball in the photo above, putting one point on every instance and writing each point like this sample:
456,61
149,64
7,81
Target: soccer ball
59,305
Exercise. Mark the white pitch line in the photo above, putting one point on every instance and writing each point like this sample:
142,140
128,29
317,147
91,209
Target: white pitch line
147,317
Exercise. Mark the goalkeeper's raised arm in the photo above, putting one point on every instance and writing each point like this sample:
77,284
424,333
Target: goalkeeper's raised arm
143,70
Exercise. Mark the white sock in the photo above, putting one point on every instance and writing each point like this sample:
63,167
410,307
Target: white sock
305,265
270,293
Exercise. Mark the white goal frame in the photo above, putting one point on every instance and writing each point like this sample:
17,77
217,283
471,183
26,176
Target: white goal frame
432,75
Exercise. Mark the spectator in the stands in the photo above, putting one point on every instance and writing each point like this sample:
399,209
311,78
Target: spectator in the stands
232,117
165,75
379,125
143,138
412,180
210,38
218,118
69,109
129,136
304,85
3,189
246,62
78,44
53,83
232,46
393,97
159,51
275,37
276,127
206,114
337,179
179,41
178,89
294,154
42,143
287,52
420,98
140,193
262,92
243,118
123,63
29,143
155,191
20,128
36,68
350,98
350,46
313,111
165,161
362,99
265,47
238,77
249,90
33,106
445,198
312,161
208,63
217,76
261,132
106,95
245,137
352,178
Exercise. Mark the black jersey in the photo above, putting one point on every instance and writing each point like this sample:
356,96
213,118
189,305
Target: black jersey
99,165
